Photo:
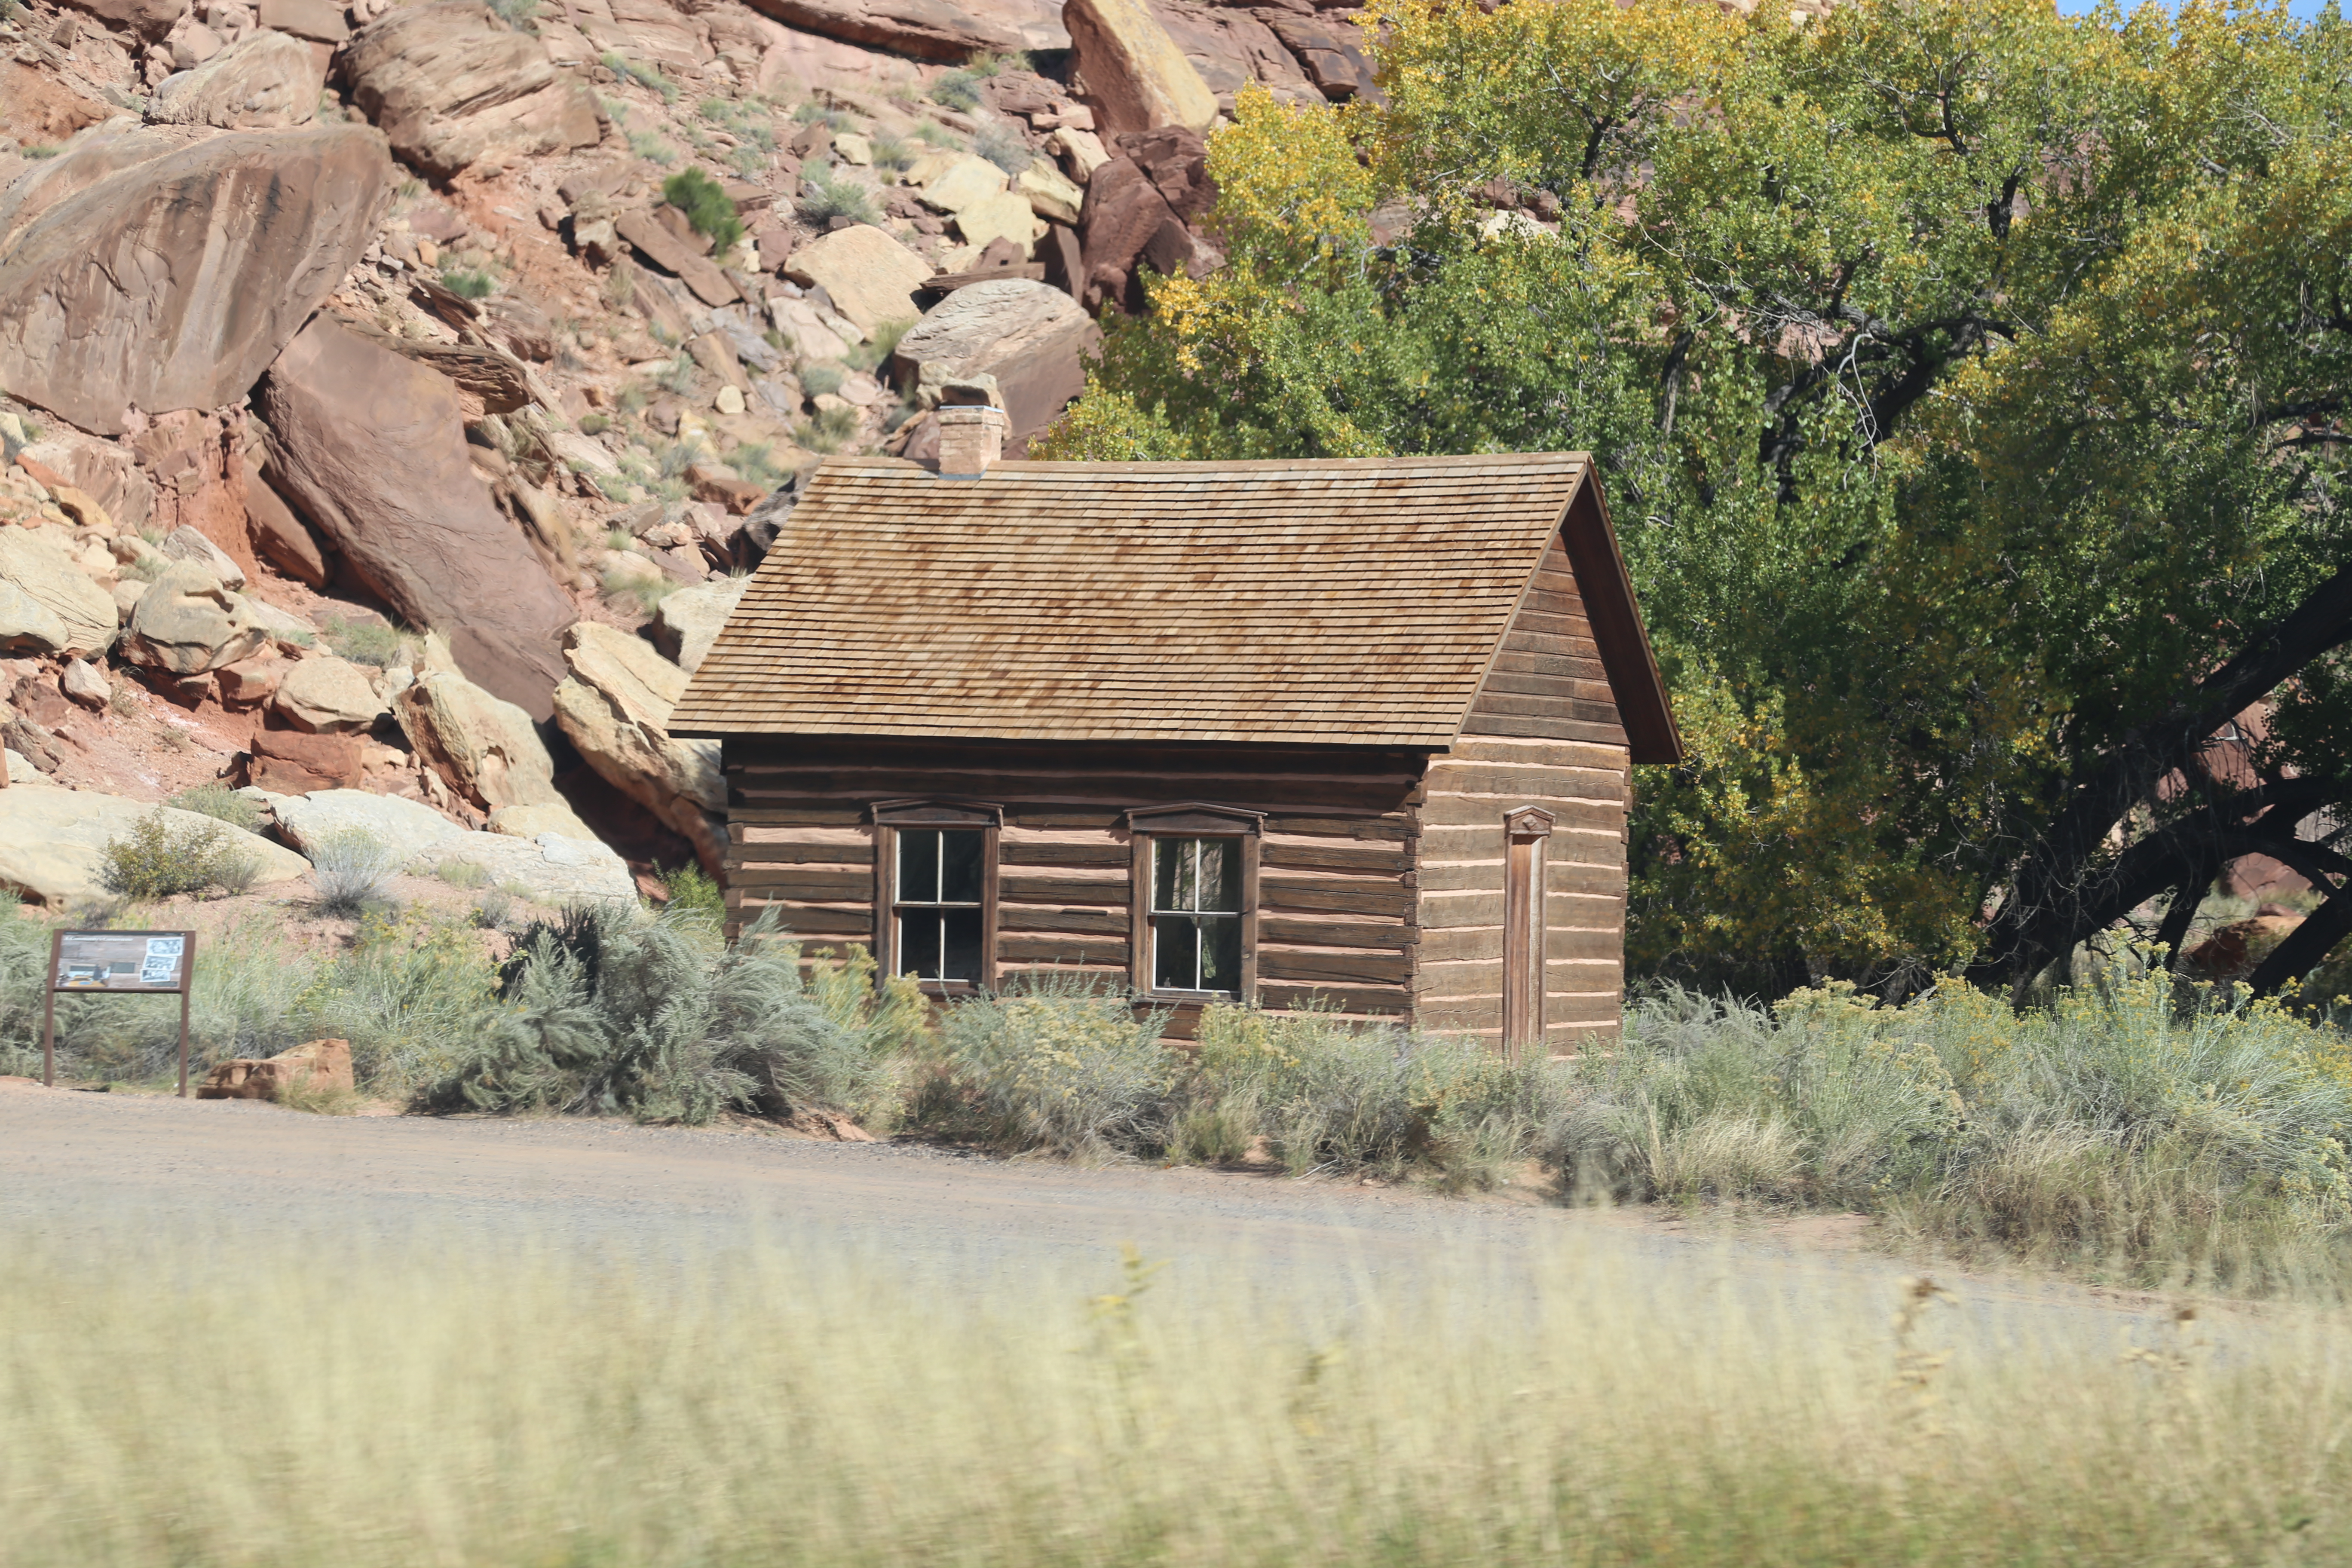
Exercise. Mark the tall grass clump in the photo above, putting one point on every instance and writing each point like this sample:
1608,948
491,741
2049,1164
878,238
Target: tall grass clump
222,802
828,195
798,1407
351,872
612,1011
2140,1127
403,990
1330,1095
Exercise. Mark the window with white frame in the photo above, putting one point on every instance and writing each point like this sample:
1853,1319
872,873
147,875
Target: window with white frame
938,906
1196,914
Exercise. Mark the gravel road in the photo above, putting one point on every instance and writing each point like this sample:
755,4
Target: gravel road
101,1172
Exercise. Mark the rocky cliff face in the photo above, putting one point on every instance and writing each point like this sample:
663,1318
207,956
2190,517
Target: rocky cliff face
346,349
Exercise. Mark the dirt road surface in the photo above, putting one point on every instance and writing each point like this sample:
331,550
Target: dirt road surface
98,1172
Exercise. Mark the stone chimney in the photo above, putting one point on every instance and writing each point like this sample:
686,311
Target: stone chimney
972,431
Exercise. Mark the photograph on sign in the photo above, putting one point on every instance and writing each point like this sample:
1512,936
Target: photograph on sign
119,961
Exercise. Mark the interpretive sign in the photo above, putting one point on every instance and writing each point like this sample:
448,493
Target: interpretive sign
154,962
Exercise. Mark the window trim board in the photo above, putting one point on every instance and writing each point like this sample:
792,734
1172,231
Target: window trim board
890,816
1178,822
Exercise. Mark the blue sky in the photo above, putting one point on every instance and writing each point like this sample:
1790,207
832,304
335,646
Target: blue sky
2306,9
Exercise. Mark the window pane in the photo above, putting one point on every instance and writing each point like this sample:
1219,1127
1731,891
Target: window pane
918,944
962,855
960,959
1220,954
1170,881
1175,953
919,864
1221,874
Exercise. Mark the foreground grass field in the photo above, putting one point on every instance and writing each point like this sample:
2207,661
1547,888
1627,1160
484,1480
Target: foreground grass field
418,1403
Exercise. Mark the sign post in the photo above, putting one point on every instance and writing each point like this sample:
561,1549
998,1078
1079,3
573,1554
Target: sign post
149,961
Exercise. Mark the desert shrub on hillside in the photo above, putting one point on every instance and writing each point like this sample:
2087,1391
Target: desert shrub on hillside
1003,147
709,209
157,857
828,195
217,800
351,872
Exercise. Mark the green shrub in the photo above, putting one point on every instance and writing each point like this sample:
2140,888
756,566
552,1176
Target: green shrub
829,431
652,148
875,351
757,463
748,160
1330,1095
157,858
657,1017
818,379
812,113
709,209
1060,1066
219,801
594,424
958,89
364,642
522,15
835,196
468,283
1003,147
892,154
643,75
462,874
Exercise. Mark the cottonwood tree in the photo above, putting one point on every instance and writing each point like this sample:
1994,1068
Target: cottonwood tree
1969,385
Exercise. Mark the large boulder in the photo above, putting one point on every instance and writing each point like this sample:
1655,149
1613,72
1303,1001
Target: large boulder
100,470
187,623
371,447
316,1067
173,283
687,623
1034,339
451,89
51,841
871,277
616,710
1136,77
1230,48
952,30
405,824
485,749
48,604
551,869
264,82
326,695
149,19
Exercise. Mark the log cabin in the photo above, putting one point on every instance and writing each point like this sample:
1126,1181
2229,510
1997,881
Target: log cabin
1355,734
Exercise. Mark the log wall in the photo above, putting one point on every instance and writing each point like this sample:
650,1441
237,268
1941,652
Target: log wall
1336,884
1543,732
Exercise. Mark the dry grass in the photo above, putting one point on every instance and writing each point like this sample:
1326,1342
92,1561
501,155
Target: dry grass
316,1403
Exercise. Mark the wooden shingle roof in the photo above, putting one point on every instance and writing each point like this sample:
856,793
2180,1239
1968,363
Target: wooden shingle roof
1355,602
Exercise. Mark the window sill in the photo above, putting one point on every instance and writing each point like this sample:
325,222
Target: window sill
1186,998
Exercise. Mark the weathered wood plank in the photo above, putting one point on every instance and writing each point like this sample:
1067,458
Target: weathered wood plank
789,811
1275,963
1570,815
1604,786
1063,951
1295,932
802,920
1550,729
1014,917
803,885
1445,945
1276,854
1013,850
1027,888
1541,753
1321,896
1381,1001
771,853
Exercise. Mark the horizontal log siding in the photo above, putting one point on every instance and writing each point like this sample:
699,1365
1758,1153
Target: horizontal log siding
1336,890
1546,682
1458,982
